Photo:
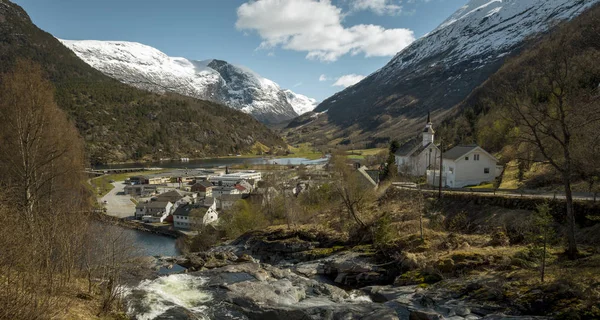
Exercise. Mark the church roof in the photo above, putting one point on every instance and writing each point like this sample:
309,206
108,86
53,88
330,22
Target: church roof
413,146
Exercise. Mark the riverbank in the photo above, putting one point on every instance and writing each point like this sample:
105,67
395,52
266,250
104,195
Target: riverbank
313,273
139,226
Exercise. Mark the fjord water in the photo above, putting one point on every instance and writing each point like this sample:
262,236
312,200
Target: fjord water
214,162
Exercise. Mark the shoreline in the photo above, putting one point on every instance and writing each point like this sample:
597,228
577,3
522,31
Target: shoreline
104,218
147,162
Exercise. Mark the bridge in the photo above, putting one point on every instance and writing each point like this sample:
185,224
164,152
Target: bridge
99,172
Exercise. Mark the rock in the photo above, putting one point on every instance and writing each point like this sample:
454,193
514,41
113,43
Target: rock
422,315
408,261
462,311
340,278
389,293
246,258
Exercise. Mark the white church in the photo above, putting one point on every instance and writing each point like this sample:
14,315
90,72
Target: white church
463,165
419,154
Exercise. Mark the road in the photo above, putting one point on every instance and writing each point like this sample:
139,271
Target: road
580,196
118,204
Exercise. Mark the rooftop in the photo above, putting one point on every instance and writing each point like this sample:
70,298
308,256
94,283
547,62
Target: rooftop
459,151
153,204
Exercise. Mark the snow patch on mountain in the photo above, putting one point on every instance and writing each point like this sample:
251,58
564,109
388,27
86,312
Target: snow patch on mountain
486,29
148,68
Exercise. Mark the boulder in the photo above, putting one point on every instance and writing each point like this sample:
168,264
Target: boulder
423,315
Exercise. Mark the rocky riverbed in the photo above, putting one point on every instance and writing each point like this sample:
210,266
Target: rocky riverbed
270,277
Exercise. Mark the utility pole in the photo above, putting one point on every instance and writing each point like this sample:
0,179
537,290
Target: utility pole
441,166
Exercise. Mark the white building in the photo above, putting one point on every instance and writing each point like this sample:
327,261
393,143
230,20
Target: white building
211,215
153,211
231,179
465,166
188,216
419,155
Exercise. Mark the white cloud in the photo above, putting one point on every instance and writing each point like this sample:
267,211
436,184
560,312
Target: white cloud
298,84
323,78
380,7
348,80
316,27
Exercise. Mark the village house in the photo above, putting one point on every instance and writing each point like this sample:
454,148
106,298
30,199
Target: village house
153,211
140,190
177,197
190,216
419,154
147,180
463,166
217,192
203,188
227,201
367,178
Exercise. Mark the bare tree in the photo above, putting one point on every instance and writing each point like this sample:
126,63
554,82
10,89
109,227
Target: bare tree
553,101
350,187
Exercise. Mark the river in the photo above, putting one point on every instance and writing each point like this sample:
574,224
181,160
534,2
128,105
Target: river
215,162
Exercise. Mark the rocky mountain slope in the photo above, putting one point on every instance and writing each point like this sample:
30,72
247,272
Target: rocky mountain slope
439,70
121,123
150,69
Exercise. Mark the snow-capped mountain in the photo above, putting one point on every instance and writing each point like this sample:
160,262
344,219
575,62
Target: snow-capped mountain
442,68
148,68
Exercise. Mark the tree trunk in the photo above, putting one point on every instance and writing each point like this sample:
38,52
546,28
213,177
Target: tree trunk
572,244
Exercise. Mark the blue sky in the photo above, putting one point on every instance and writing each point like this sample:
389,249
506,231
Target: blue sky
292,42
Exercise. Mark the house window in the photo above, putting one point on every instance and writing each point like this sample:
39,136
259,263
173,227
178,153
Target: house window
486,170
467,158
476,157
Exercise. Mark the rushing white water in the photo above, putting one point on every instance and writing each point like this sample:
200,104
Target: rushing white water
152,298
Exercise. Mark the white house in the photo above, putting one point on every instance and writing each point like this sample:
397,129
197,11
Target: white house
231,179
465,166
188,216
211,215
419,155
153,211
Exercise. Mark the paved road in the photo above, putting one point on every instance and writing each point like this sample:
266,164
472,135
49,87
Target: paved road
118,205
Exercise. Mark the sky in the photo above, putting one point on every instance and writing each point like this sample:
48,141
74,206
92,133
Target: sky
313,47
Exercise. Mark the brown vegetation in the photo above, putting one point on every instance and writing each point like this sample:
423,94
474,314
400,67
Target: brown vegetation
46,237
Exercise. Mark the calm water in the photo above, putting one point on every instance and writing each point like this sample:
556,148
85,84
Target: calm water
145,243
215,162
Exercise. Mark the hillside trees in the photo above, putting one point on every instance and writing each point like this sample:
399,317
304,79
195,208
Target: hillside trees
350,188
44,200
46,239
553,102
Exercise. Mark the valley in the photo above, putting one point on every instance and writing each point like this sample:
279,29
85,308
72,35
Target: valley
459,181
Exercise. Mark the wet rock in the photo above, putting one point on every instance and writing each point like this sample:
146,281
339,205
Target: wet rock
422,315
462,311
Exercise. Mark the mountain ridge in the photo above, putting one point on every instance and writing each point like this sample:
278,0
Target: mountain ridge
215,80
435,73
121,123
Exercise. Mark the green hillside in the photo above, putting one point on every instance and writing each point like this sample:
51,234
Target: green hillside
121,123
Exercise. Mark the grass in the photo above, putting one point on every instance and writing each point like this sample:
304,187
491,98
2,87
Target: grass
483,186
510,179
360,154
303,150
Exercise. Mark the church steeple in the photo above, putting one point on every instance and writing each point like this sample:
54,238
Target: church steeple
428,133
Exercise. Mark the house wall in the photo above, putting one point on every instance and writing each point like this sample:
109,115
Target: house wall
184,222
471,172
